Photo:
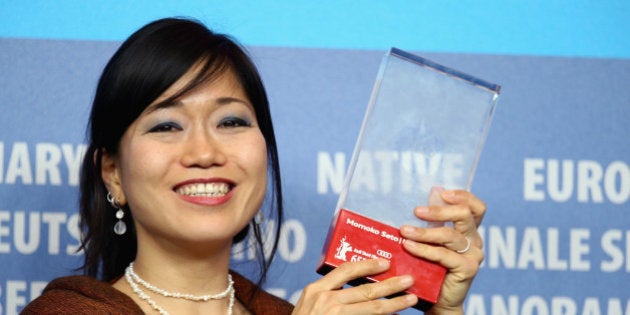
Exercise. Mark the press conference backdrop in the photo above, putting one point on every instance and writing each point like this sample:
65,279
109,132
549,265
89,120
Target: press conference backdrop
555,170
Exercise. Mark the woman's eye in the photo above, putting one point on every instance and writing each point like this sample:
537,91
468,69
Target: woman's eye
165,127
233,122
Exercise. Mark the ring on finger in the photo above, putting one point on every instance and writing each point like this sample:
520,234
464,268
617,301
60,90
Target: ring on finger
468,243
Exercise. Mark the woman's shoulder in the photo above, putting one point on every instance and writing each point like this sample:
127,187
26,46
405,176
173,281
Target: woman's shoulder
257,300
81,295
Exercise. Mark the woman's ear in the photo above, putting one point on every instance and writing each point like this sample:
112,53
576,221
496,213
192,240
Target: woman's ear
110,171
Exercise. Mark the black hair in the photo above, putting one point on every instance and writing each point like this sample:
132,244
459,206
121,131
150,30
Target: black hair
145,65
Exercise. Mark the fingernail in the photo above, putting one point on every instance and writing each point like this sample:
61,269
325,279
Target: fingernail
449,195
406,229
436,189
384,263
422,210
411,298
411,245
406,280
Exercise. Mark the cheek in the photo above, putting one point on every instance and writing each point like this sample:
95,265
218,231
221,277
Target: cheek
141,163
253,161
259,159
260,166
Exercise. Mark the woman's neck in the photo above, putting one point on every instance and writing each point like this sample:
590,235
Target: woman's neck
182,272
198,271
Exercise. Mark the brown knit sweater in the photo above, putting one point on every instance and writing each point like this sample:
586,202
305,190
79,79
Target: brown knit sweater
86,295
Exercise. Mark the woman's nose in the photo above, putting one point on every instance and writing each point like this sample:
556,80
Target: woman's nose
203,150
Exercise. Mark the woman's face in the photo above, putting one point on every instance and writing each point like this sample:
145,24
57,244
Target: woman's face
194,170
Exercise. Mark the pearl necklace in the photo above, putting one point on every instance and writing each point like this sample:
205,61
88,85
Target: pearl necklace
133,279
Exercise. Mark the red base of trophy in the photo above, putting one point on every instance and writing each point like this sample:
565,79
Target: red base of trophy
353,237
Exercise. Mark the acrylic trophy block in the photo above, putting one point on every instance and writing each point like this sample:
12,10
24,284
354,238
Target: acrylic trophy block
423,131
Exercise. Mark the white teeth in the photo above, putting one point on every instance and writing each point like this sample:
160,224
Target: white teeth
205,190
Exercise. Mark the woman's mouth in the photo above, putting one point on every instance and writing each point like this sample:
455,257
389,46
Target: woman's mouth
215,189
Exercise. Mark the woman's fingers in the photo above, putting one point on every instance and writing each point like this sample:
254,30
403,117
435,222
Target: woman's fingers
464,210
378,306
444,236
468,206
457,247
372,291
346,272
447,257
475,205
324,296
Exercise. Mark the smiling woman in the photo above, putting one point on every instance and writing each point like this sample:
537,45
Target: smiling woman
174,108
181,152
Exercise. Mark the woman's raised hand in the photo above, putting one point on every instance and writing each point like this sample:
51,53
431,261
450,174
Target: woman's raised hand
326,296
458,247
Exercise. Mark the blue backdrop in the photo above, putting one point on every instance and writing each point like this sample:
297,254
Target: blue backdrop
554,172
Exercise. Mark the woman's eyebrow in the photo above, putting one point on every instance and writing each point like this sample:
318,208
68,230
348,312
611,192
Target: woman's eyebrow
162,105
227,99
176,103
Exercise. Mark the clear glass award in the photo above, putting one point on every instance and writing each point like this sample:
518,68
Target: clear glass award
423,131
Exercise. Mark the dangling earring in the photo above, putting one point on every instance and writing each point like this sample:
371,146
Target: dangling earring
259,217
120,227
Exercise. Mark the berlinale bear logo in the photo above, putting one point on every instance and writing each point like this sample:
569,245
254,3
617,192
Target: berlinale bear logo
343,249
